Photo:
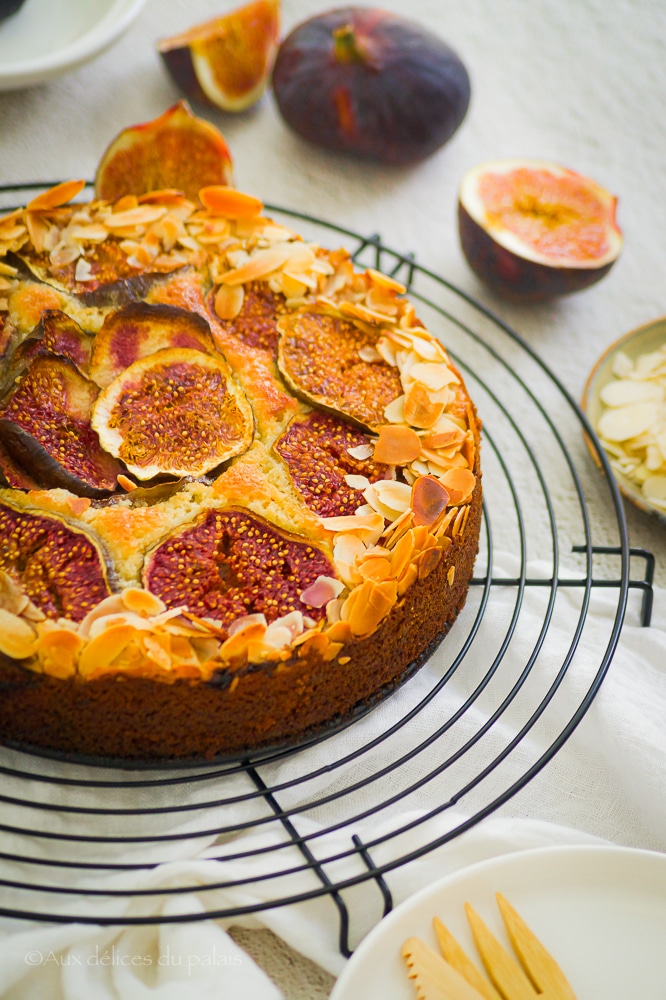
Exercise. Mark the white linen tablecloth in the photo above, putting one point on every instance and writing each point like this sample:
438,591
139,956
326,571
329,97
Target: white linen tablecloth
581,82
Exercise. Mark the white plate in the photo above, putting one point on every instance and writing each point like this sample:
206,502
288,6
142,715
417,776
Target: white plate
600,911
49,37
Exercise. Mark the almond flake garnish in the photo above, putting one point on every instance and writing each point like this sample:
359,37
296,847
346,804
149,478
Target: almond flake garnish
229,301
459,483
396,445
360,452
323,590
55,196
227,201
260,264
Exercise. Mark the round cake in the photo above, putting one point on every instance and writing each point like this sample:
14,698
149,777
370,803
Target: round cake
241,494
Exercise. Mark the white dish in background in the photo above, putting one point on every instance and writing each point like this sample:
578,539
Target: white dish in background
600,911
49,37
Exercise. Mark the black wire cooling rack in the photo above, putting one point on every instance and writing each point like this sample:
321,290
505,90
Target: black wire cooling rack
470,730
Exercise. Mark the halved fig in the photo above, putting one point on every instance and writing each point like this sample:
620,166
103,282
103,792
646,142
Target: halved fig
367,82
318,450
176,150
56,334
138,330
256,322
60,567
229,563
45,426
226,62
178,412
534,230
318,356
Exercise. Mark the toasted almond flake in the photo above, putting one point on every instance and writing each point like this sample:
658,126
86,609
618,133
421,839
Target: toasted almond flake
354,310
450,576
247,622
395,411
369,354
58,651
360,452
222,200
64,254
126,484
7,269
56,196
386,351
229,301
18,639
429,350
433,375
409,577
429,500
38,229
357,482
420,410
392,494
376,568
444,439
9,220
93,232
351,522
293,287
83,270
104,647
142,602
154,649
323,590
460,484
384,281
396,445
427,561
142,215
13,233
261,263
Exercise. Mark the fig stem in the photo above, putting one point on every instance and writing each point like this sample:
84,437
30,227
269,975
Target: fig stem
346,46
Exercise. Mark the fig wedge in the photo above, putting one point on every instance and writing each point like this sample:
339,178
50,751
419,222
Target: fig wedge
60,567
45,426
317,449
227,61
138,330
12,474
255,323
176,150
533,230
229,563
178,412
318,355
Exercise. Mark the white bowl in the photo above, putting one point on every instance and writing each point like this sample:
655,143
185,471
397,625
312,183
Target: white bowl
49,37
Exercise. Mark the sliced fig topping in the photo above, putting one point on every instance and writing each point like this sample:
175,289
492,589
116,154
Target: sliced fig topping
316,448
138,330
230,563
319,358
178,412
57,333
256,323
45,425
60,567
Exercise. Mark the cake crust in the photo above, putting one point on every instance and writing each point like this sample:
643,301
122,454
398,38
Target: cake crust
277,593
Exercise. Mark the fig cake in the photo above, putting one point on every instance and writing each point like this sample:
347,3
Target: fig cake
241,491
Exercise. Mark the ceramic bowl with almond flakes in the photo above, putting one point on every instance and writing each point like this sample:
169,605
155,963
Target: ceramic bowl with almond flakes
625,401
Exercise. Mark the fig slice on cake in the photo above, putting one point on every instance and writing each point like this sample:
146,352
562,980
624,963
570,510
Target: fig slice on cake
140,329
45,426
533,230
178,412
321,358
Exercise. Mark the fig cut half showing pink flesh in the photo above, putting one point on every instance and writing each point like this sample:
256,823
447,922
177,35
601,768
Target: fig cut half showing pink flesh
533,230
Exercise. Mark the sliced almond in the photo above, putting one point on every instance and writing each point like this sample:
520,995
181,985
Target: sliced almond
18,639
396,445
229,301
56,196
227,201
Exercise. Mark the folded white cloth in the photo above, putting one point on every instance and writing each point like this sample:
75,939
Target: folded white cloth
607,783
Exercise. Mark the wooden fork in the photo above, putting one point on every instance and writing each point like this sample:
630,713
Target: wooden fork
453,975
